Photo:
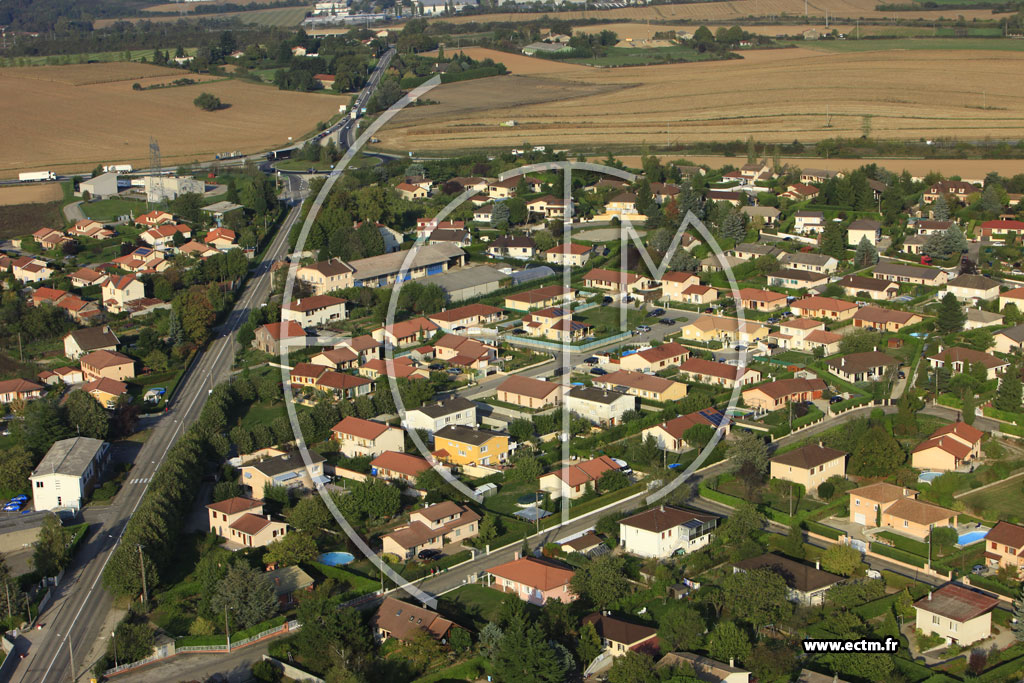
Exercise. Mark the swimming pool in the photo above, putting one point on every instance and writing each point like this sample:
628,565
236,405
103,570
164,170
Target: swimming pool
335,559
972,536
928,477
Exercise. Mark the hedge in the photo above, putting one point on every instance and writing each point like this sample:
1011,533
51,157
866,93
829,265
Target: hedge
993,585
719,497
411,82
822,529
949,401
470,74
851,403
1004,415
898,554
905,544
875,608
1003,672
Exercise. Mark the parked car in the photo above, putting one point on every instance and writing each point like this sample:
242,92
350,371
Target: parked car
435,366
592,361
772,345
657,312
901,375
978,569
836,399
607,300
740,347
22,498
667,321
598,371
643,328
429,555
721,360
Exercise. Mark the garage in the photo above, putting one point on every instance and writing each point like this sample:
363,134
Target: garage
858,517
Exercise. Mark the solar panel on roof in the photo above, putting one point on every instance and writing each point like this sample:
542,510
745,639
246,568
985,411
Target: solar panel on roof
693,524
712,416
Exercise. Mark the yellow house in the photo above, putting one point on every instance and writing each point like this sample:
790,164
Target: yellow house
809,466
956,613
642,385
459,445
544,297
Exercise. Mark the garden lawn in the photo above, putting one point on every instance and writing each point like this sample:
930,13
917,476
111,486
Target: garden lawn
605,319
107,210
477,602
1001,501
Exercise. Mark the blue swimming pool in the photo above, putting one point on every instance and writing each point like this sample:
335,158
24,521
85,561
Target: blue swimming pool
972,536
335,559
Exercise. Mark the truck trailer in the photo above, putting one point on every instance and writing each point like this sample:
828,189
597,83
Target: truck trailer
118,168
37,176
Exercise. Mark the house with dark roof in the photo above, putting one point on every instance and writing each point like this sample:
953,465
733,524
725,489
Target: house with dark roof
403,621
867,366
914,275
664,531
518,247
806,585
620,636
793,278
600,406
873,288
469,447
67,473
809,466
288,470
81,341
1008,340
884,319
312,311
585,544
706,669
973,288
431,528
960,357
434,416
958,614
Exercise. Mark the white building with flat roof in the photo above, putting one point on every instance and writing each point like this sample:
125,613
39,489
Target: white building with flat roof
67,473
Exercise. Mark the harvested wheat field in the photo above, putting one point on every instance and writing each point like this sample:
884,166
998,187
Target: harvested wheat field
640,31
185,7
30,194
774,95
50,123
737,10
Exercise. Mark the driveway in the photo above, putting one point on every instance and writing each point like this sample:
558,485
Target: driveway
73,212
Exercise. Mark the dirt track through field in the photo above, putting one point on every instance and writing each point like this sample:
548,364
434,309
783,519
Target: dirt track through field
773,95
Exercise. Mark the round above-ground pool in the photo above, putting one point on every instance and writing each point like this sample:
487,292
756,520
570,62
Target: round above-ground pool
335,559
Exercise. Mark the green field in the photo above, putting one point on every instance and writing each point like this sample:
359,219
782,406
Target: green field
634,56
112,56
1003,44
282,16
107,210
605,319
1001,501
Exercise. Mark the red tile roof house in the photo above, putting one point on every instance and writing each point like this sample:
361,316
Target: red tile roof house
19,390
431,528
667,355
311,311
761,300
398,466
357,437
959,357
620,636
534,580
777,395
573,480
948,448
406,332
529,392
473,315
154,218
268,337
403,367
669,434
1004,546
402,621
464,352
718,374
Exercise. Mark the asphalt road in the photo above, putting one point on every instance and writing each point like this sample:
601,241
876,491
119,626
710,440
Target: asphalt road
81,605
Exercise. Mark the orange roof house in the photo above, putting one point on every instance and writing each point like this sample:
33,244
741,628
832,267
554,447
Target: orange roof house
534,580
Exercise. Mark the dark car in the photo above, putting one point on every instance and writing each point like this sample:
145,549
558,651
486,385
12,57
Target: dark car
592,361
607,300
836,399
429,555
773,345
435,366
901,375
667,321
598,371
658,311
709,310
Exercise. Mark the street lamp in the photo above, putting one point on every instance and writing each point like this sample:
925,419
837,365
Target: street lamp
113,634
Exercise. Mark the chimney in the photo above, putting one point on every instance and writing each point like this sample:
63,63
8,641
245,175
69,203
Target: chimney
515,555
821,444
817,564
929,595
268,517
732,662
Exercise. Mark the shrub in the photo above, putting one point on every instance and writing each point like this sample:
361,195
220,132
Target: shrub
826,490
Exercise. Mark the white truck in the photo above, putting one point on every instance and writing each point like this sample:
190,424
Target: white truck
36,176
118,168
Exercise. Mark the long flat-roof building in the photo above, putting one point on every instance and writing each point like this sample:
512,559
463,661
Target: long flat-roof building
67,473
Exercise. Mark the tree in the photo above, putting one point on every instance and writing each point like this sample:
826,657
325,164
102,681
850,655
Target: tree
525,468
968,407
728,642
633,667
794,543
748,457
15,468
601,582
311,516
500,216
951,316
523,655
878,454
943,538
42,426
247,595
52,551
940,209
613,480
866,254
1018,612
772,661
742,524
86,416
589,646
208,102
521,429
373,499
291,549
758,597
1008,395
841,559
132,639
681,628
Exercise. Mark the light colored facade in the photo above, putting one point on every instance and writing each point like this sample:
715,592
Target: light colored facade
533,580
1004,546
436,416
642,385
670,434
948,447
241,522
664,531
824,307
431,528
574,480
973,288
326,276
661,357
289,471
726,330
958,614
67,473
314,311
529,392
357,438
600,406
809,466
777,395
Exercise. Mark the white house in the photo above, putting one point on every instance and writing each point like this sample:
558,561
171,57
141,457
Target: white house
314,310
67,473
431,418
665,530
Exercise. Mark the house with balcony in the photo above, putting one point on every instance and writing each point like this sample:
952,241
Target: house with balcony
664,531
289,471
432,528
